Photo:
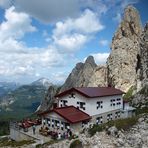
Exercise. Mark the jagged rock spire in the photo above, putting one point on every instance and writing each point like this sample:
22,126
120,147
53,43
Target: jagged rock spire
122,61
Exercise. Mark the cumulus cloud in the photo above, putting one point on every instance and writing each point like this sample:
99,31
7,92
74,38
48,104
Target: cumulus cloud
12,50
100,58
59,77
16,25
103,42
72,34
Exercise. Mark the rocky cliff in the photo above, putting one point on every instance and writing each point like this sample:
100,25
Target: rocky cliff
47,102
122,61
140,99
144,56
86,74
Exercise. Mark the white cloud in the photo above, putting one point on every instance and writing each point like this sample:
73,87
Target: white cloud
15,57
59,77
118,17
71,43
80,24
104,42
16,25
72,34
100,58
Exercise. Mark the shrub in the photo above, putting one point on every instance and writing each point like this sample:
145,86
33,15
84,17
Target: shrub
96,128
141,110
124,124
128,95
4,142
76,144
144,91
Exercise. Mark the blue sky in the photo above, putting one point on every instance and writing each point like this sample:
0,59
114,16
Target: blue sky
47,38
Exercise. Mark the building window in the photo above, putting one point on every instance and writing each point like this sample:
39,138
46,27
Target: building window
57,123
67,126
64,103
81,105
115,102
99,120
117,114
118,99
48,121
84,123
112,101
52,123
99,104
62,126
72,95
109,117
118,103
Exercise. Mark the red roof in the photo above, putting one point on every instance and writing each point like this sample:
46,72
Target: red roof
70,113
92,92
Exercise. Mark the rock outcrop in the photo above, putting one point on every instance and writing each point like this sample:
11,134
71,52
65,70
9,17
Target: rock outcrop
49,98
99,77
136,137
122,62
140,99
144,56
86,74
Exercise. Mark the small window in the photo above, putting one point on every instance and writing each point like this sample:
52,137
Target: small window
99,104
99,120
72,95
81,105
64,102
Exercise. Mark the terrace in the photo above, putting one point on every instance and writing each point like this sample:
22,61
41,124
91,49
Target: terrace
24,131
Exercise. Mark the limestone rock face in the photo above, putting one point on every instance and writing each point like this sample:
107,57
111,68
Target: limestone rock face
144,56
86,74
141,98
80,75
99,77
122,61
49,99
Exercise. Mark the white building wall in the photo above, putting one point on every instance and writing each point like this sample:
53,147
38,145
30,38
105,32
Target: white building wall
91,103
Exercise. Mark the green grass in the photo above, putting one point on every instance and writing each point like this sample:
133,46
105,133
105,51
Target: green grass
7,142
46,144
76,144
124,124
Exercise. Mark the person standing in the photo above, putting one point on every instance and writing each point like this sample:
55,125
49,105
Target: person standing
33,128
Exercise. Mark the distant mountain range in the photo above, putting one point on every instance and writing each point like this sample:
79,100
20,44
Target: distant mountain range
20,101
42,82
5,87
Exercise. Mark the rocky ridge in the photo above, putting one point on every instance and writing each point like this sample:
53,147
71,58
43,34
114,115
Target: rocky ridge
86,74
140,99
49,98
122,61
